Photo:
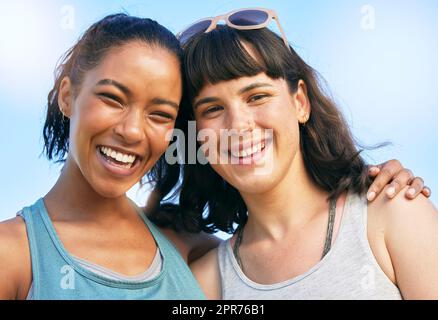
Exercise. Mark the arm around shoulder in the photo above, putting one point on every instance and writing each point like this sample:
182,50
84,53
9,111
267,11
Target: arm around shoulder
411,237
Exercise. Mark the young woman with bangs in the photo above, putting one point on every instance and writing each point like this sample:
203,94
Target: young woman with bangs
305,229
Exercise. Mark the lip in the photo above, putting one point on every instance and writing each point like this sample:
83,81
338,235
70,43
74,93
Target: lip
244,145
113,168
252,159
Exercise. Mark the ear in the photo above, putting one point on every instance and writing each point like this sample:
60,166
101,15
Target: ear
301,102
65,97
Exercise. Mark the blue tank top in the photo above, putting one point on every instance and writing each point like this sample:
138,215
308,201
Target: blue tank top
57,276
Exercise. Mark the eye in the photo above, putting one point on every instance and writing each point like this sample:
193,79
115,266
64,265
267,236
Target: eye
162,116
258,97
212,110
111,98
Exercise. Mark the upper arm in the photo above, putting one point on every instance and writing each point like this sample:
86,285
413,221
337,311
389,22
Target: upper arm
206,271
411,237
15,266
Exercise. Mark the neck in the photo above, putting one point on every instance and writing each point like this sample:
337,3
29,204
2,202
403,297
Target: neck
289,206
73,198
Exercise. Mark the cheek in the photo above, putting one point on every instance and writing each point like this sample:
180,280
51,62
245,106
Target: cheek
203,124
287,135
158,139
280,117
285,129
91,115
88,119
208,131
208,136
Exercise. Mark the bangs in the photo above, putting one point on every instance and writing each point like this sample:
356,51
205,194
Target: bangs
220,55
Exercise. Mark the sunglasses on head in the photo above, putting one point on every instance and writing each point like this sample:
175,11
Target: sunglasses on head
242,19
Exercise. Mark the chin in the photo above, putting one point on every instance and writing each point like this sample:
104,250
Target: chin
110,191
254,185
112,194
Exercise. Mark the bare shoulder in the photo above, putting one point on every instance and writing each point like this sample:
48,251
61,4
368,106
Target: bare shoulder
206,271
191,245
399,217
13,239
15,266
399,211
410,233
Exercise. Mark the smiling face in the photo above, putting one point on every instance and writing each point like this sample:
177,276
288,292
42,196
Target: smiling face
121,114
252,105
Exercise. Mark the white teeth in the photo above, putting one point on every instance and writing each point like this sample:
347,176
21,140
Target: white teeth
121,157
248,151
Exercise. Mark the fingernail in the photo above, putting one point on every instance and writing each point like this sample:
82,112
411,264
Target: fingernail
374,169
371,195
391,191
411,191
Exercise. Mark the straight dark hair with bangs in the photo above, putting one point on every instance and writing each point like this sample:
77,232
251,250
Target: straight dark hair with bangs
207,202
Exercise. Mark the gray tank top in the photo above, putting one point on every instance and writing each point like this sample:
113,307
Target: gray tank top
348,271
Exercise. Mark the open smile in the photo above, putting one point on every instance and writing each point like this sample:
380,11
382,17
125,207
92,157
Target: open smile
118,162
251,154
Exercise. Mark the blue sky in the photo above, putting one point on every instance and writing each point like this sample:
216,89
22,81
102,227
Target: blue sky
378,57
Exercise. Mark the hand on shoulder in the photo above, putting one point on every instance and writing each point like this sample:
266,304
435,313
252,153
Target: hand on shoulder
410,230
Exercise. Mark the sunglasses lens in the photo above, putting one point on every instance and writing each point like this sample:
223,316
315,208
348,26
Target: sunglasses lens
199,27
248,17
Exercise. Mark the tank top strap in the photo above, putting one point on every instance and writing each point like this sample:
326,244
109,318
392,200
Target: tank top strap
348,271
167,248
56,275
45,257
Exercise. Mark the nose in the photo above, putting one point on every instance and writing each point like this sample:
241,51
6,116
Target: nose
241,119
131,128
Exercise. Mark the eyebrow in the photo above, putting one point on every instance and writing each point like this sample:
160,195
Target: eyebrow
165,101
205,100
241,91
126,91
110,82
254,86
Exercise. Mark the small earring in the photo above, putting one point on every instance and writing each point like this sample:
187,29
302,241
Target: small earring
63,116
306,118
